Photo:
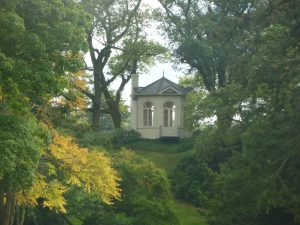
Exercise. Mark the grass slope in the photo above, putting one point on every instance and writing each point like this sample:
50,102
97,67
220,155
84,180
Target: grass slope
187,214
165,156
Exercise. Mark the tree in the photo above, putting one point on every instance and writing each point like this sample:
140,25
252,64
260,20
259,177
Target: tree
254,160
265,168
118,49
64,166
195,109
44,43
35,56
34,59
205,35
21,145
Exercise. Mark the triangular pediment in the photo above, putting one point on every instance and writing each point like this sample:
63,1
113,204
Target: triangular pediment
169,90
162,86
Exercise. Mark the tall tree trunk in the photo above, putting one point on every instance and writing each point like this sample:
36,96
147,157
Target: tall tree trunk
96,114
2,194
12,211
12,207
8,209
21,215
17,214
116,116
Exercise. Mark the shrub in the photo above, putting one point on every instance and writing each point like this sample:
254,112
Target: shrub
91,138
192,180
186,144
104,217
122,136
110,139
146,192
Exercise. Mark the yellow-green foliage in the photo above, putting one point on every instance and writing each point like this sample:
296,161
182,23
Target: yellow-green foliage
66,165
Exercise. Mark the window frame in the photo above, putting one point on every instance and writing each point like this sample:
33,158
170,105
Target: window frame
148,114
169,114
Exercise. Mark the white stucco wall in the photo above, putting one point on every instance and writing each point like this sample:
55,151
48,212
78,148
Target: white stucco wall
156,130
133,113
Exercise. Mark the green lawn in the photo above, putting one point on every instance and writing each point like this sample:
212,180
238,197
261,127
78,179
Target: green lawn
166,161
166,156
153,146
188,215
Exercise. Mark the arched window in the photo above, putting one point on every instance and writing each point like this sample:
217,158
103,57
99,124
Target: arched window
148,112
169,114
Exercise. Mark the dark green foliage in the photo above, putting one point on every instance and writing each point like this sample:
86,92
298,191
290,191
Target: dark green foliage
145,196
121,136
107,218
91,138
43,216
22,140
192,180
146,191
195,173
41,42
186,144
263,178
246,55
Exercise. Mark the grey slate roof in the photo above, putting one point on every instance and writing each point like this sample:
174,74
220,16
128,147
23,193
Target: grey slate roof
162,86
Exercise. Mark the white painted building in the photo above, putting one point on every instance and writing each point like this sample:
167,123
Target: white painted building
157,110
